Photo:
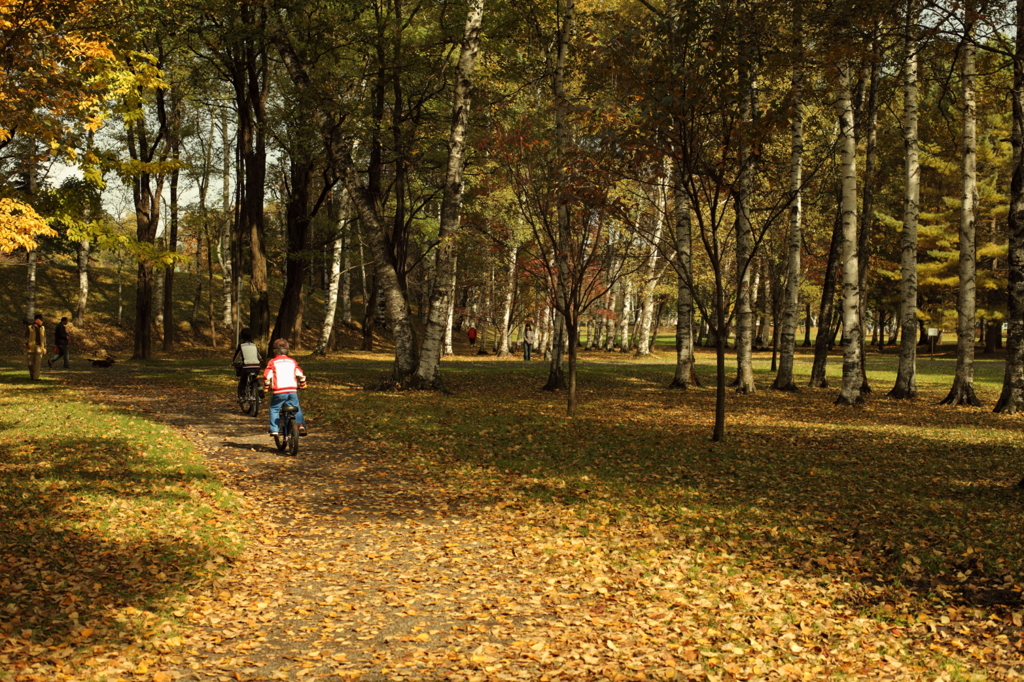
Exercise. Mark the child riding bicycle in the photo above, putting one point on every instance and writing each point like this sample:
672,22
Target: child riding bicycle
247,361
284,377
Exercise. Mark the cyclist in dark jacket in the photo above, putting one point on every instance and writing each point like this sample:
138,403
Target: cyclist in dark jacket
247,354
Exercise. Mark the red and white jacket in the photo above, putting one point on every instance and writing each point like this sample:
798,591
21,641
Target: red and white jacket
283,375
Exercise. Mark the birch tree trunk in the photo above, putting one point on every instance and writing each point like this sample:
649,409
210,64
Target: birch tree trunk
506,314
428,370
83,281
345,295
224,241
868,206
784,380
333,284
685,374
906,379
449,350
609,342
30,286
1011,399
625,316
849,392
744,232
962,392
651,276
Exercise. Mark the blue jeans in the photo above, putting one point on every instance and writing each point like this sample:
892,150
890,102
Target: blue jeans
527,347
278,401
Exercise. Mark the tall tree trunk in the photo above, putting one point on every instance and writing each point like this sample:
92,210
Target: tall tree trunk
30,286
784,380
626,316
651,274
1011,399
849,393
962,392
333,284
556,352
388,286
298,217
172,246
449,349
906,374
504,343
226,234
83,281
609,343
146,199
744,229
345,295
867,220
826,309
428,370
685,373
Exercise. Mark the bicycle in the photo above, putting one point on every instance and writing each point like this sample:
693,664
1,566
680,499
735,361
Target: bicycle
251,398
287,441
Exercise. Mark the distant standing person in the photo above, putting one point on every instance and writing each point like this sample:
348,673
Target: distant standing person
472,336
60,339
35,346
527,342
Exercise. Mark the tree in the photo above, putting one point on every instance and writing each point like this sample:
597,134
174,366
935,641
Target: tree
850,392
962,391
906,379
1011,399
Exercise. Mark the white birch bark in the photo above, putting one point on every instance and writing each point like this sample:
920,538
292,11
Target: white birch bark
610,324
428,373
849,392
504,345
784,380
333,284
744,238
224,241
345,295
906,379
651,275
625,317
684,374
83,281
30,286
962,392
449,349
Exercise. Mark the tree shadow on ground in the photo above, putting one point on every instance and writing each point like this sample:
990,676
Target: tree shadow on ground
80,545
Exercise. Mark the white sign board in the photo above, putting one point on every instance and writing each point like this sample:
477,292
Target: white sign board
932,331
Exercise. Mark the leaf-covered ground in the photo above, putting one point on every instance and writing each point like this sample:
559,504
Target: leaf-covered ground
483,536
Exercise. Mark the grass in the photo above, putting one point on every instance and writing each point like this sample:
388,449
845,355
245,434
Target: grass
894,523
107,520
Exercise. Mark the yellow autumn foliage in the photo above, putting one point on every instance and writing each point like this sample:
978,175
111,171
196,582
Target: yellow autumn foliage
20,225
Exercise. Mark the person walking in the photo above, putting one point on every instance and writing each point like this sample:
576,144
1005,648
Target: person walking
35,346
527,342
61,340
471,333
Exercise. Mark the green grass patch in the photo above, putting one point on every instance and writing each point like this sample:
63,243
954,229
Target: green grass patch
107,520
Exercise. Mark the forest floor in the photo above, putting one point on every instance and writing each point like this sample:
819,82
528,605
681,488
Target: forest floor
150,531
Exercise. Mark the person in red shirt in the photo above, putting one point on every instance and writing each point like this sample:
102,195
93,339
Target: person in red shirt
471,333
284,378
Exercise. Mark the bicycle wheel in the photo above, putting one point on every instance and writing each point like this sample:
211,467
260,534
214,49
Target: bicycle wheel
253,394
281,440
292,434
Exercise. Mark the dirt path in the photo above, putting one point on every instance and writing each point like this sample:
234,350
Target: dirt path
358,567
